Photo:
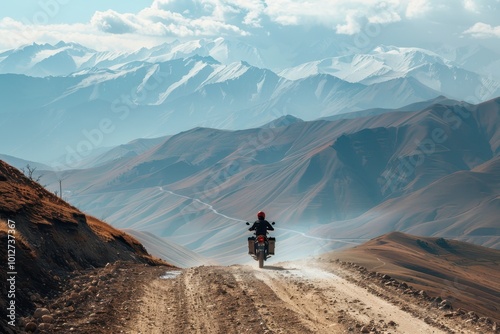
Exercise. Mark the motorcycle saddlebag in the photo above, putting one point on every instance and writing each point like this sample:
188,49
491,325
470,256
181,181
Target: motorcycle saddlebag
251,245
272,244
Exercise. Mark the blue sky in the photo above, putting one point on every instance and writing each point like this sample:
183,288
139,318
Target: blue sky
117,25
71,11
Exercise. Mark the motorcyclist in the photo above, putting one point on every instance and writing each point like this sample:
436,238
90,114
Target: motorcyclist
261,226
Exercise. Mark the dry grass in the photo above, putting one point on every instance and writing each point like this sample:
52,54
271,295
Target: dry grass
3,226
21,240
108,232
32,203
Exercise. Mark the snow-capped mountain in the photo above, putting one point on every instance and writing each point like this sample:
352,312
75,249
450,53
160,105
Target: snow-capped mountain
141,99
474,58
41,60
382,64
62,93
385,63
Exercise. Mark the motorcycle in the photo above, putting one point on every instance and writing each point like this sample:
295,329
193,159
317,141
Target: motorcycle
261,247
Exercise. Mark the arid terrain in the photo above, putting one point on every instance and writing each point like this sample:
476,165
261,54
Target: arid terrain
76,274
466,274
298,297
315,296
43,242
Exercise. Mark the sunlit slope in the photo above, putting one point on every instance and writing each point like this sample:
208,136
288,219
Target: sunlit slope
408,171
464,273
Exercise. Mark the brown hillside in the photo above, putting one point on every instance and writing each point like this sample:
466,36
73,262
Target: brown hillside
52,239
360,178
464,273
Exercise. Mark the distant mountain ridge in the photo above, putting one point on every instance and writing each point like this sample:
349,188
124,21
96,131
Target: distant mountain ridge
433,172
109,98
411,107
61,59
387,62
109,107
22,164
65,58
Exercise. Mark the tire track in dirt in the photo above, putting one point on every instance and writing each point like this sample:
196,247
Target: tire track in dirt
315,308
330,299
294,298
200,300
347,303
276,315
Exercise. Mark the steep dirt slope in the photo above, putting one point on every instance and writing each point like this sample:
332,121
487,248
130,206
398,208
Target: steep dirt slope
48,239
468,275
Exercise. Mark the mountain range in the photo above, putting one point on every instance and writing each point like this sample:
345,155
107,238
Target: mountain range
340,149
41,60
61,59
161,155
75,100
432,172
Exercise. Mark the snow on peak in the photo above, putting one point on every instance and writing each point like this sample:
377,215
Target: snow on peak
228,72
381,64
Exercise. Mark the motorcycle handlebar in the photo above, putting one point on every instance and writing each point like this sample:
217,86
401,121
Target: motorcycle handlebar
266,231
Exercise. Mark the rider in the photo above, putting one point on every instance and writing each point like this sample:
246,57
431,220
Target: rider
261,226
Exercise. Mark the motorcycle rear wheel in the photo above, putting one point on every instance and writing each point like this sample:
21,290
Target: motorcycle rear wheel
261,259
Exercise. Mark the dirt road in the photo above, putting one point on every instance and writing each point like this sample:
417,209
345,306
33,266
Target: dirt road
294,297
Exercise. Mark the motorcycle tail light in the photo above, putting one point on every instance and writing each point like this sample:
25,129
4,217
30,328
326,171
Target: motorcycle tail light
261,238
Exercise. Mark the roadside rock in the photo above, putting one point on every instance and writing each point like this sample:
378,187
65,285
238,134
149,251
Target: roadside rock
365,329
39,312
47,318
30,327
445,305
45,327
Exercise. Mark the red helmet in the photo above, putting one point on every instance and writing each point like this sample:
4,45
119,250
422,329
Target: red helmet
261,215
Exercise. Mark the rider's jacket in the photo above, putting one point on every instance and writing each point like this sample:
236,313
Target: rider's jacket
261,226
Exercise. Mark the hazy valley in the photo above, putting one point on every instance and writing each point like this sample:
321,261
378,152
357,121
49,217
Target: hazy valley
380,167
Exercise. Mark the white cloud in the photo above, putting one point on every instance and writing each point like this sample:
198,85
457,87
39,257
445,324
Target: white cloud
471,6
113,22
17,33
483,30
292,12
343,16
385,12
177,18
263,19
351,26
252,10
417,8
